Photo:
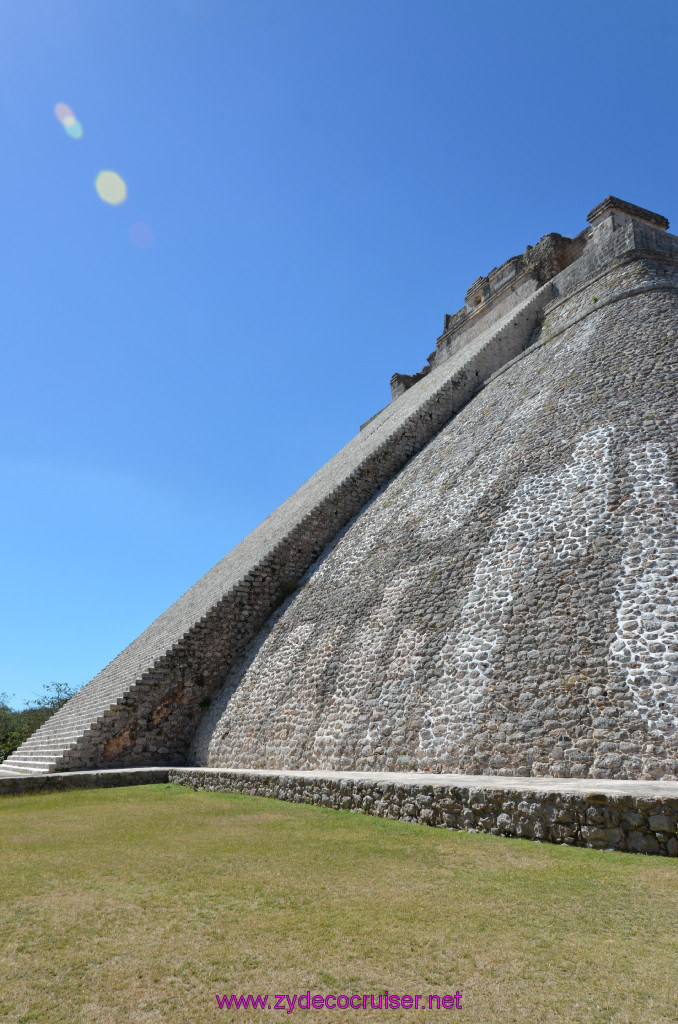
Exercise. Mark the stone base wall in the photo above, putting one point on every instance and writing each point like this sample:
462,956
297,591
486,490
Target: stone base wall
604,821
18,785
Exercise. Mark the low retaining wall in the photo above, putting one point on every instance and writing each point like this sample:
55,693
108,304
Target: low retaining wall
637,817
14,785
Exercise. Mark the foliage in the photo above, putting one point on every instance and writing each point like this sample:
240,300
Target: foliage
17,725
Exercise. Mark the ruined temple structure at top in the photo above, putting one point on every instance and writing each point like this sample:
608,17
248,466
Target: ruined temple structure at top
484,580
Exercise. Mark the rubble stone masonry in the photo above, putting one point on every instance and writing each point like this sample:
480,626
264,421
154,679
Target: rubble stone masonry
485,580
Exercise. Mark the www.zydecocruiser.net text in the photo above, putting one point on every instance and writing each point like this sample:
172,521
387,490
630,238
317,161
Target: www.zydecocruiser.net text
306,1001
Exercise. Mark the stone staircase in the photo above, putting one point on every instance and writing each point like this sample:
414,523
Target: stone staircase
38,759
245,588
48,749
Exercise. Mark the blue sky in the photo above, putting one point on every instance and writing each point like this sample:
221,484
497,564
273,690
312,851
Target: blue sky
323,182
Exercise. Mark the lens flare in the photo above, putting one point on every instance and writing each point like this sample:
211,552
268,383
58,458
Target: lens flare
141,234
68,120
110,187
72,127
63,110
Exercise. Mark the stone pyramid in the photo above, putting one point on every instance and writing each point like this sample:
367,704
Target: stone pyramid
484,580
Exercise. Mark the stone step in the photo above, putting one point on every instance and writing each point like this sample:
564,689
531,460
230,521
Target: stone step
42,755
19,758
60,734
47,737
30,768
44,736
31,756
50,745
45,748
68,725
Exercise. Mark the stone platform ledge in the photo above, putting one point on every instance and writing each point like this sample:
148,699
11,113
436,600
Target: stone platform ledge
12,785
605,814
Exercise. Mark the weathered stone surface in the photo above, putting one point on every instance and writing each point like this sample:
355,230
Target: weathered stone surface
484,580
106,779
476,804
508,604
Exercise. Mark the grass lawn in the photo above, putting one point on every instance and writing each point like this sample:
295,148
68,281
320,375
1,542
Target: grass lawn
139,905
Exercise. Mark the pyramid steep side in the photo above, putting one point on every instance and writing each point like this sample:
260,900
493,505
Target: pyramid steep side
143,708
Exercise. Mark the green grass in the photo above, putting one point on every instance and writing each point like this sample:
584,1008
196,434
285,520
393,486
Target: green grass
139,904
